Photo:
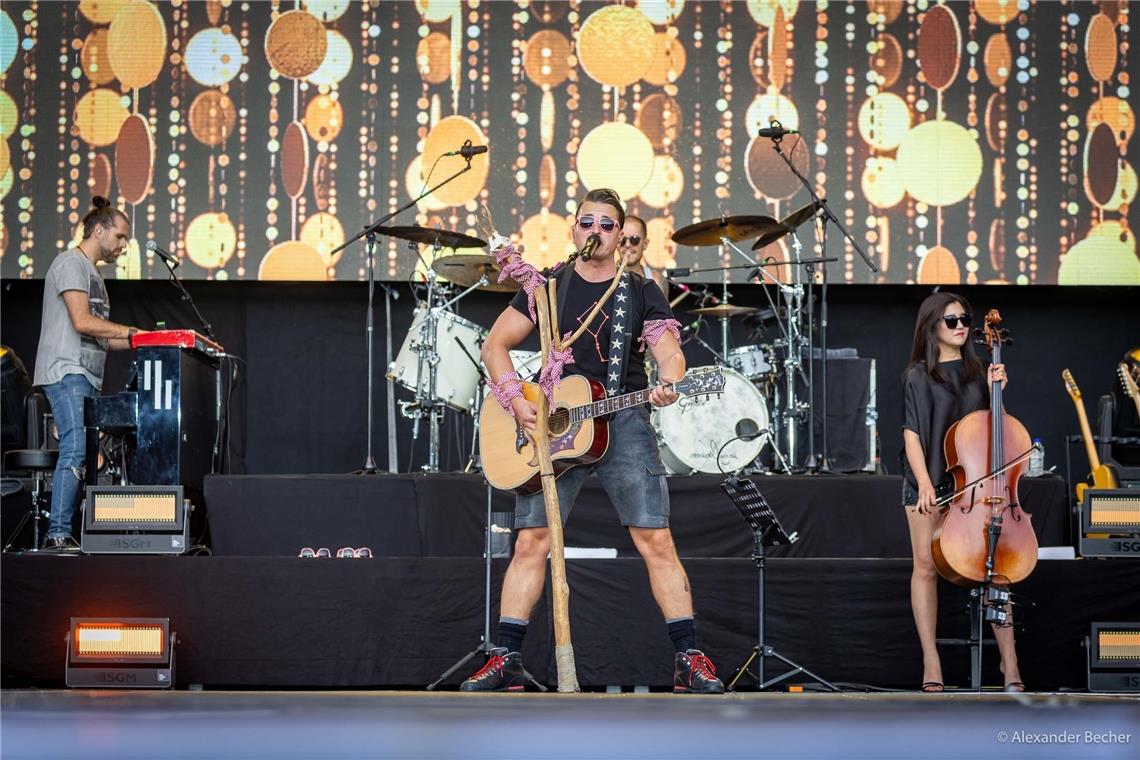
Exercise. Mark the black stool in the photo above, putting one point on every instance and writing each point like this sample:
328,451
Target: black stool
39,463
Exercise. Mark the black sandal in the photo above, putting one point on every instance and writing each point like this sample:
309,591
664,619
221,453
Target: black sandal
1015,687
932,687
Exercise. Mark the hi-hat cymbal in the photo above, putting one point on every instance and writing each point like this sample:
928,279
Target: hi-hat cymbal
787,224
723,311
735,228
433,237
466,269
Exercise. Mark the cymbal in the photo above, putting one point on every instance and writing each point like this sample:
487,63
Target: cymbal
723,311
429,236
465,269
787,224
735,228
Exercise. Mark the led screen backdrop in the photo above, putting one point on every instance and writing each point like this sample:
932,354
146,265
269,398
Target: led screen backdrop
983,141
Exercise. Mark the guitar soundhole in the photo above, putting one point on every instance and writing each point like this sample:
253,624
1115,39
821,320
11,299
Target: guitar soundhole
559,422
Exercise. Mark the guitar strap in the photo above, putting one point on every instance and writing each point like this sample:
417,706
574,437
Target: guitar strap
621,322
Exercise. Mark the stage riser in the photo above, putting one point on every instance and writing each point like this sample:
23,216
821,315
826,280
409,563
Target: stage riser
290,622
443,515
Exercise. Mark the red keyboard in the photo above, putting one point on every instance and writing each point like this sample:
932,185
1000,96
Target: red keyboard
179,339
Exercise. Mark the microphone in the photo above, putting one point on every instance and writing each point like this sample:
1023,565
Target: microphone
747,429
163,254
588,249
468,150
678,272
776,131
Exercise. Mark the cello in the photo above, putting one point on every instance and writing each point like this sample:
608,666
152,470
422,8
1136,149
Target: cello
985,537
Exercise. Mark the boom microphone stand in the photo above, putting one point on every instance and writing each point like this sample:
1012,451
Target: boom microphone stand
775,132
370,232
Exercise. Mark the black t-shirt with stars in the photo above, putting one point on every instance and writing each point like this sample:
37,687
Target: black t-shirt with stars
593,355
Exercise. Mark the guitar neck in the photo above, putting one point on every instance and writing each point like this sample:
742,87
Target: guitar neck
1086,433
609,405
1129,385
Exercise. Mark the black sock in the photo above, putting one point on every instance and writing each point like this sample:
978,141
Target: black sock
511,633
683,632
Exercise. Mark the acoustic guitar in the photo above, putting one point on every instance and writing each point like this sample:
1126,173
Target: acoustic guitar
1129,384
1102,475
578,428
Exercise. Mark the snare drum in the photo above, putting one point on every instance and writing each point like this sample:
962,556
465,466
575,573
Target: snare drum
749,361
692,432
456,377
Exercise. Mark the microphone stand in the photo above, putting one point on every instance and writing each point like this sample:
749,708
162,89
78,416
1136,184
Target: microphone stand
822,465
176,282
370,232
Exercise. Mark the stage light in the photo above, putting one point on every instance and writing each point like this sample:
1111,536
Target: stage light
1110,523
135,520
1114,657
133,653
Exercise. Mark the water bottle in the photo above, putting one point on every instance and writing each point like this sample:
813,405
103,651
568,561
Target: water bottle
1037,459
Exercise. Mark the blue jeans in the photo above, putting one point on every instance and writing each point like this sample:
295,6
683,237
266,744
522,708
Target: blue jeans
631,473
66,399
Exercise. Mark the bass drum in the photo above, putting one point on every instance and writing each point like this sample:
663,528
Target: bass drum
693,431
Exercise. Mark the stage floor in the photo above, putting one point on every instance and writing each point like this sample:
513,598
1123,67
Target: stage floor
123,725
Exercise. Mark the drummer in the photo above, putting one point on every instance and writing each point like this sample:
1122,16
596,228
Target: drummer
634,241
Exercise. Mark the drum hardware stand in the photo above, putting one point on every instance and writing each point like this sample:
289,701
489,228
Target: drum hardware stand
823,464
486,645
370,232
480,397
766,531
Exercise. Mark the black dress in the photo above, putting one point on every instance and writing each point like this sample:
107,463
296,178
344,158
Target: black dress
931,407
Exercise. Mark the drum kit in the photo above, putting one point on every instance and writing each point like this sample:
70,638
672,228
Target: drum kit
439,357
752,399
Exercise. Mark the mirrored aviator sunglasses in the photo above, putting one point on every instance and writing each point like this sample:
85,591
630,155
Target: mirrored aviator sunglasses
607,224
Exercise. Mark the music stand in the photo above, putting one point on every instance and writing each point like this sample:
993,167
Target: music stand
766,531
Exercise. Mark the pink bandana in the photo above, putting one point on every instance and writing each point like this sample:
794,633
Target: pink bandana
655,328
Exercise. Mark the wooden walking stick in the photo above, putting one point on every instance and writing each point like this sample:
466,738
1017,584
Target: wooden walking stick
553,347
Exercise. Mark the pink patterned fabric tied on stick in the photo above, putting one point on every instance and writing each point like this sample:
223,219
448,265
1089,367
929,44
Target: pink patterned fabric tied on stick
528,278
551,374
655,328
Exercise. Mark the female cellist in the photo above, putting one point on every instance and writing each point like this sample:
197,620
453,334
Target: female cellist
944,381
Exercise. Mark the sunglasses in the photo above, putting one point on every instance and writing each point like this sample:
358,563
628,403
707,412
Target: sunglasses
953,320
631,240
607,224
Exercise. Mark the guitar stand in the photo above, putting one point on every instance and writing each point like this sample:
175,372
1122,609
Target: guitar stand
486,645
766,531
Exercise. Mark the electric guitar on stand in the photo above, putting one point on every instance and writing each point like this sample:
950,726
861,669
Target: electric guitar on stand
1129,384
1102,475
579,431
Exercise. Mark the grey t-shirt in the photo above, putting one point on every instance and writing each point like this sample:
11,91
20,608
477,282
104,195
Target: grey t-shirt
62,350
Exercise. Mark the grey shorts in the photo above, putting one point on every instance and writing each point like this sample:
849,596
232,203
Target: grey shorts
631,472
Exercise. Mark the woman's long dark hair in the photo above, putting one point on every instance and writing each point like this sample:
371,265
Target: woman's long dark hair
925,345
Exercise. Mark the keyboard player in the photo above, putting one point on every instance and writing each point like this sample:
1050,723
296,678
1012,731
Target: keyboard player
75,334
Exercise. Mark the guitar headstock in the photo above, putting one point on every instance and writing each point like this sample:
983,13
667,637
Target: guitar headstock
1126,380
1071,385
706,381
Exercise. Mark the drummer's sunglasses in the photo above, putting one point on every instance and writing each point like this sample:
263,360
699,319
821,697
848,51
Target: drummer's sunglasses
607,224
